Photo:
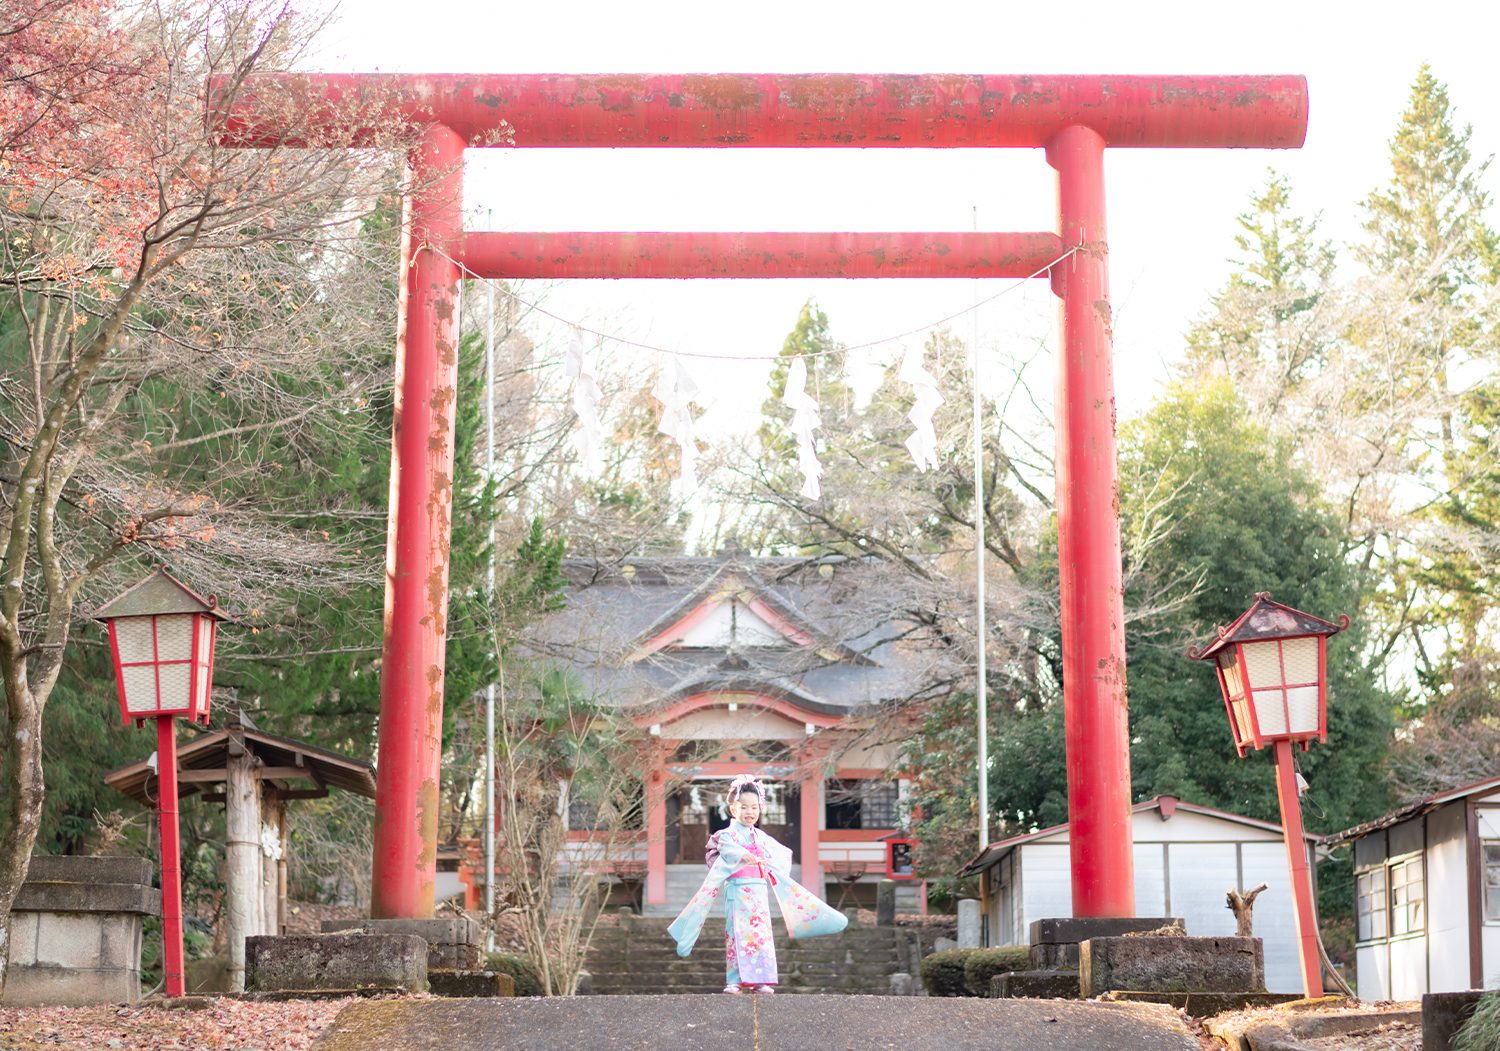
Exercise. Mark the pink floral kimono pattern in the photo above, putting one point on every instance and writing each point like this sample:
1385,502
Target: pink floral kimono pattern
749,948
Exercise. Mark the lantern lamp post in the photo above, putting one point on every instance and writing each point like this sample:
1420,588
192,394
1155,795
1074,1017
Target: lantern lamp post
1272,665
161,636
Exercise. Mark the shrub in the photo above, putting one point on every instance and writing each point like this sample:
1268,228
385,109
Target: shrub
984,964
943,973
528,982
1482,1031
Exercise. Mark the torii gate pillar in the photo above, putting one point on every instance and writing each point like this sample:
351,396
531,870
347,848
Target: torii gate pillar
1074,118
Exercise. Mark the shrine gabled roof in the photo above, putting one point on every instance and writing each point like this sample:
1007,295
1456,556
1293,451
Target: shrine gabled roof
1267,619
855,655
737,674
734,581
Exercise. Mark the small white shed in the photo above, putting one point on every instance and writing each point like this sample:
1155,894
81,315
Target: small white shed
1427,895
1186,859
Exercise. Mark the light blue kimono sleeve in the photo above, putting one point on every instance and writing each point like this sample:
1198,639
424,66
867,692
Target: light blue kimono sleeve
685,929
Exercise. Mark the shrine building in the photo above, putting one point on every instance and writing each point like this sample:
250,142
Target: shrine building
789,669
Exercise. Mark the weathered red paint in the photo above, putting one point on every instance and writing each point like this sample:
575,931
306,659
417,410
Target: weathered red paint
1296,859
171,854
783,110
1088,528
421,500
679,255
1074,117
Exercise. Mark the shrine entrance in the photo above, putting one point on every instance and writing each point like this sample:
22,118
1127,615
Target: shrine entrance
699,809
1072,118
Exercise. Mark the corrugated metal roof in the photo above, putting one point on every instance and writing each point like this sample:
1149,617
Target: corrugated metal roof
1421,806
992,854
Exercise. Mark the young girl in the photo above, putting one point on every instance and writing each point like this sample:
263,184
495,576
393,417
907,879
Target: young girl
744,864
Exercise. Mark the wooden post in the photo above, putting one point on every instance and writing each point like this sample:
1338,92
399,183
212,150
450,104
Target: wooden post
242,859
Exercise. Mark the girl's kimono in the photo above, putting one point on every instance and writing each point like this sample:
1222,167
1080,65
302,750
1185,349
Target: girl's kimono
748,863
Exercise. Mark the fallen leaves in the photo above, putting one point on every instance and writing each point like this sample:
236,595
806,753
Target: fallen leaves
230,1025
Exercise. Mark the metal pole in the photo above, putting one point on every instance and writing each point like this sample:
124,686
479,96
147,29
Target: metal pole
1296,860
416,590
489,690
1088,541
171,854
981,692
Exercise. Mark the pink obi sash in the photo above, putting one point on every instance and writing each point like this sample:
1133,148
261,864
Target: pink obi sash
755,870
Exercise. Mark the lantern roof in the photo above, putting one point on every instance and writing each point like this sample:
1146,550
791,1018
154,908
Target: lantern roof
159,593
1268,619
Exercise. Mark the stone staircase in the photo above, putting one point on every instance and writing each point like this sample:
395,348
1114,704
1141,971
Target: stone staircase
638,958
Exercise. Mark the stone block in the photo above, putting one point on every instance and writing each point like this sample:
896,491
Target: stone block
470,983
119,940
67,939
76,935
1442,1014
336,961
133,898
968,924
902,985
1039,985
451,930
1171,965
70,986
1204,1005
1081,928
23,938
1053,956
885,903
63,868
452,942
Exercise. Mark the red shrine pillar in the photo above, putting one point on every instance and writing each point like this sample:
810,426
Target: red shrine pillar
416,558
810,810
656,831
1088,527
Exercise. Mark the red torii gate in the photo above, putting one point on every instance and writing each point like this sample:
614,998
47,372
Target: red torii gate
1073,118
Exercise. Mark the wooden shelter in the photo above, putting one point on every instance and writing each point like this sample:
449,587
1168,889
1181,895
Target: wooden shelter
254,774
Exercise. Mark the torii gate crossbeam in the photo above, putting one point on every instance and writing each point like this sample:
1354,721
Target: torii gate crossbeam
1073,118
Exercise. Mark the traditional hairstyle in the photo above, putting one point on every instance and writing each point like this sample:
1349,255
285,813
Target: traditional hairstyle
744,781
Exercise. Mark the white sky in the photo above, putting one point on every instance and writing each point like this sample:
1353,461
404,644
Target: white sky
1171,213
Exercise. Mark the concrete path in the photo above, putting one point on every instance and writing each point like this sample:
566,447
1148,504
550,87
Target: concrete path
754,1023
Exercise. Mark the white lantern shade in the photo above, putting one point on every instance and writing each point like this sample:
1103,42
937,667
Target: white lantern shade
162,639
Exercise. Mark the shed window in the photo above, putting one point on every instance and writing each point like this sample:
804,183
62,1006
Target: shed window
1492,880
1407,896
1370,889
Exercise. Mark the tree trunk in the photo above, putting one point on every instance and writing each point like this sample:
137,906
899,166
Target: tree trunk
241,862
1243,906
27,791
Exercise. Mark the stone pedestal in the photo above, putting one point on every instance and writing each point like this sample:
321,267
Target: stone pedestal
351,960
1171,965
1054,954
452,943
885,903
968,924
76,931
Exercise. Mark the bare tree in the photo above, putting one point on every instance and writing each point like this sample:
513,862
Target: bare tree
569,811
175,313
